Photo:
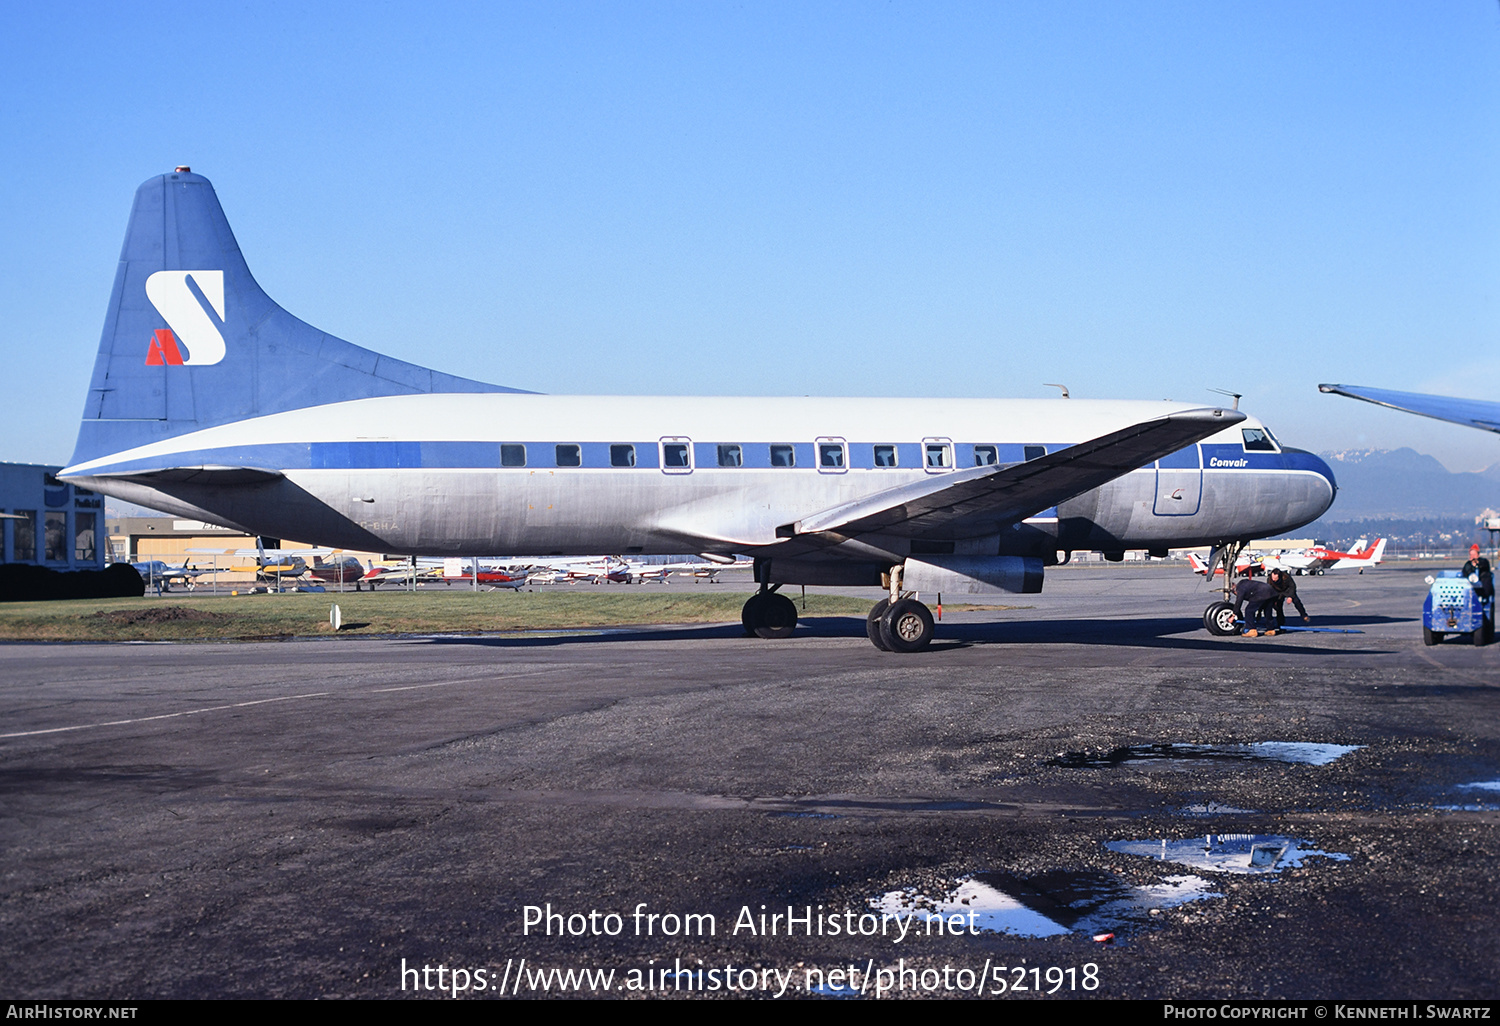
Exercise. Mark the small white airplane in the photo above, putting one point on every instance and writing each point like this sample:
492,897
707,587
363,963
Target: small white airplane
156,572
1319,559
210,401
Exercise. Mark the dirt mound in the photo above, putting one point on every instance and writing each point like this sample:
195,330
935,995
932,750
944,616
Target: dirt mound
156,614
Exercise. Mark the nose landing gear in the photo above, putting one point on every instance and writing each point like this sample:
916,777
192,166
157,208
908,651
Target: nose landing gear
1220,617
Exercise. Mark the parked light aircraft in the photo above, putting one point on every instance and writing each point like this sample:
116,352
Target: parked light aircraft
1320,559
1246,564
158,573
210,401
1315,560
343,570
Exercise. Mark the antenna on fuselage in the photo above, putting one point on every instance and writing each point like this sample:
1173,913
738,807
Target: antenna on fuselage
1236,396
1053,384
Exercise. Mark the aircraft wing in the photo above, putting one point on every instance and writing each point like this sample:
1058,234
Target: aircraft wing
1469,412
968,503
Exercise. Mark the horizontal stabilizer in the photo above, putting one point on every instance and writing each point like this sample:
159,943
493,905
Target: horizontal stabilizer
1477,413
969,503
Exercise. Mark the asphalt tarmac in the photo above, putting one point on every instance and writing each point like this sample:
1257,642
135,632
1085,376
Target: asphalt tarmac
306,818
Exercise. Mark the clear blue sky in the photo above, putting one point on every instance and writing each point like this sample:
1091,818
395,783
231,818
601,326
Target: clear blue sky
1139,200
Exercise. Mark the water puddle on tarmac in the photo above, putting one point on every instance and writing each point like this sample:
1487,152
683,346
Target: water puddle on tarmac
1045,905
1482,795
1297,752
1229,853
1214,809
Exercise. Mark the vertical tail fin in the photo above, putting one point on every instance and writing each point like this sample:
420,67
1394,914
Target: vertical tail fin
190,340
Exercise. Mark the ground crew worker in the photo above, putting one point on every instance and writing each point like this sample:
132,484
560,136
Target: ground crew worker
1479,567
1285,588
1252,601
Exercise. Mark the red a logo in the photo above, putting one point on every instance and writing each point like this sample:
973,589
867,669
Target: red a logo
163,350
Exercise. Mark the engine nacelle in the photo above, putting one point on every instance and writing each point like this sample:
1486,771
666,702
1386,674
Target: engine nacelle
973,575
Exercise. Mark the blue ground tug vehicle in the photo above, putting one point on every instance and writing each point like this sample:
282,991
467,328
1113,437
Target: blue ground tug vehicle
1454,606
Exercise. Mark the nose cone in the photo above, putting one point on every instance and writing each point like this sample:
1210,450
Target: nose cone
1315,502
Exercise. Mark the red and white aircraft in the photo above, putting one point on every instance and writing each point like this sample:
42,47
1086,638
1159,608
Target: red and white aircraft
1247,564
1318,559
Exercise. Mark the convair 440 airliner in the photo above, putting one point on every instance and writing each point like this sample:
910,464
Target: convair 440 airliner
210,401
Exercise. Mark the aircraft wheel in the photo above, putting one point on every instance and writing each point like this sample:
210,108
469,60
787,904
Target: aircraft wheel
906,626
1220,619
750,614
872,624
1430,636
778,617
1476,636
1489,631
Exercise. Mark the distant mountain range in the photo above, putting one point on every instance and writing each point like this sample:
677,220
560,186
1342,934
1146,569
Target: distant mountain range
1385,483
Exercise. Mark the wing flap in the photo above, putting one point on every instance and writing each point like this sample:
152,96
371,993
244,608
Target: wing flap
984,499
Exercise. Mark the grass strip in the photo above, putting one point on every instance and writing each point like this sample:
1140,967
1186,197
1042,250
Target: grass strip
249,617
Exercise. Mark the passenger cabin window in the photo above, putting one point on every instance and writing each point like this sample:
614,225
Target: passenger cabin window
675,455
938,456
1035,452
783,456
569,456
731,456
622,455
830,455
513,455
1257,440
986,456
885,455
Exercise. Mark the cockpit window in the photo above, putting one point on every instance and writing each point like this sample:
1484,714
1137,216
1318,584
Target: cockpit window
1258,440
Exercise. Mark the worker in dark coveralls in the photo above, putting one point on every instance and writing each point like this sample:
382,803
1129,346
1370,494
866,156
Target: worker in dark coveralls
1479,567
1253,603
1285,588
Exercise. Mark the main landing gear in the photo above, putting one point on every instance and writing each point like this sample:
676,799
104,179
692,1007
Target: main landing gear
896,624
768,614
1220,617
899,623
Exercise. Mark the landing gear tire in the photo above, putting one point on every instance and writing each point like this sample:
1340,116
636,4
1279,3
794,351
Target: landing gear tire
872,624
906,626
1430,636
1220,619
777,616
750,614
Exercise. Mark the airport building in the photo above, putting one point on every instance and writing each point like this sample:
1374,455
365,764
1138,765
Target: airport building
48,522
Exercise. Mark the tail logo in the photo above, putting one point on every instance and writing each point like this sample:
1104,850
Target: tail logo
189,324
